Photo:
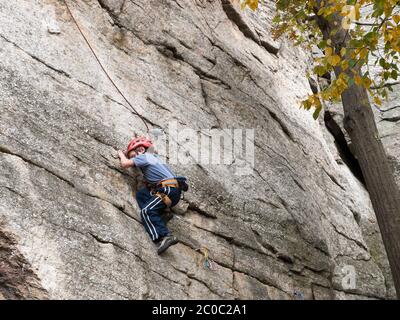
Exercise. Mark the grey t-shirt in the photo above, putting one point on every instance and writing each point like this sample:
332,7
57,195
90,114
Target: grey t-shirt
153,168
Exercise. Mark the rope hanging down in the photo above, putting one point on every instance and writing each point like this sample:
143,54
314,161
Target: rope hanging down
102,67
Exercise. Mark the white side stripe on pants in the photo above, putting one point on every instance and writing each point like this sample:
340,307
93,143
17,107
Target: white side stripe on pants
149,217
144,217
144,214
154,235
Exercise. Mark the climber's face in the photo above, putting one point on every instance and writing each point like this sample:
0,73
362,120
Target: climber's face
136,152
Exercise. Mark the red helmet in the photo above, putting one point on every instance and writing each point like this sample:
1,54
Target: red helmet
139,142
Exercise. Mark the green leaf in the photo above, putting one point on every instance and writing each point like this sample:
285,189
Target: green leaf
369,36
282,4
316,113
320,70
386,75
322,45
352,63
276,19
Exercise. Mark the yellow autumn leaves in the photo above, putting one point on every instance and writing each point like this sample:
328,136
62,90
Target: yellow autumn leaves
374,41
332,58
252,4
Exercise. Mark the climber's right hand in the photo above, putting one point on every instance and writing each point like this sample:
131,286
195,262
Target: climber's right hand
125,162
121,154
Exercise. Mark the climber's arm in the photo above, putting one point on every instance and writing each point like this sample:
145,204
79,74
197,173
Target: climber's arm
125,162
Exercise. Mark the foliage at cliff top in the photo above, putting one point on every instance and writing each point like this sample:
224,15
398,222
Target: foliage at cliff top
371,56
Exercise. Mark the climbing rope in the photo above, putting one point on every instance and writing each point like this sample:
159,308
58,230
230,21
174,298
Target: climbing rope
207,262
102,67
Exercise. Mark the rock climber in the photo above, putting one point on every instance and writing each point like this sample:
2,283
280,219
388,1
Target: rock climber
162,189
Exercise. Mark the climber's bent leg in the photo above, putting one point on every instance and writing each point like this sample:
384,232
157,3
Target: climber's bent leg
150,214
143,196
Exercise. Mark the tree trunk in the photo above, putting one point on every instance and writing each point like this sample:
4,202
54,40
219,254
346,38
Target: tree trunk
360,124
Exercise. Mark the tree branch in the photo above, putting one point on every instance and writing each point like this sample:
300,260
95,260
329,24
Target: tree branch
359,23
389,84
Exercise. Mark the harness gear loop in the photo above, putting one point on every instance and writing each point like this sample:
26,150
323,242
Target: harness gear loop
167,201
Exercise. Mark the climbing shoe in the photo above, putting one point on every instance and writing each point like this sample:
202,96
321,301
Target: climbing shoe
166,242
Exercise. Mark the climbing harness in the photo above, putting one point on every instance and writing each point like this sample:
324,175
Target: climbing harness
172,183
207,262
164,198
178,182
102,67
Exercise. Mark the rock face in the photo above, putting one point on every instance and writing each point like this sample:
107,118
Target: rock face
17,280
298,222
388,120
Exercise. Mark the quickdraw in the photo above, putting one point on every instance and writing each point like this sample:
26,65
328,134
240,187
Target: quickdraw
207,262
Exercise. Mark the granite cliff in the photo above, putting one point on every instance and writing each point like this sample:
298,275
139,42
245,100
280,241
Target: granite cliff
295,225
